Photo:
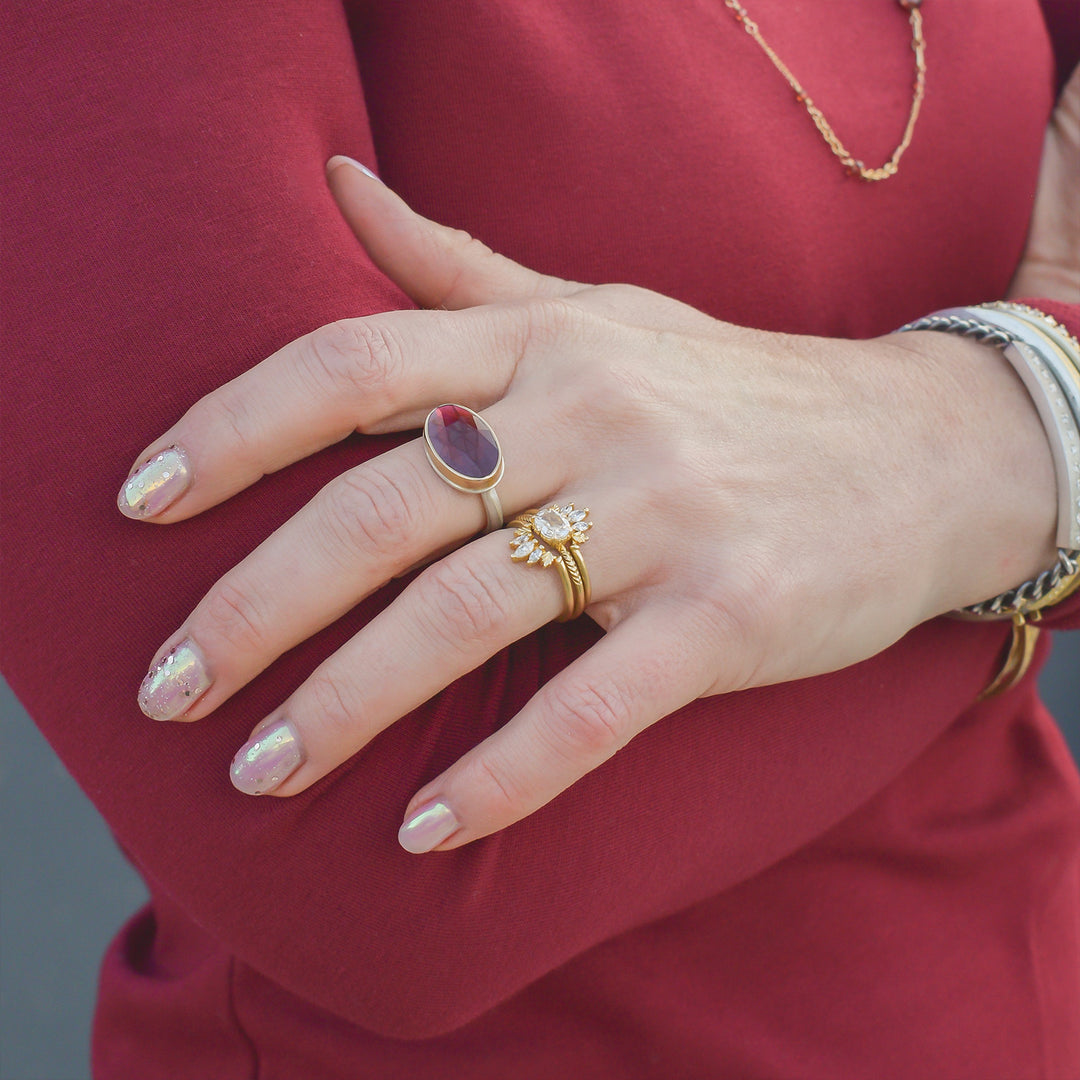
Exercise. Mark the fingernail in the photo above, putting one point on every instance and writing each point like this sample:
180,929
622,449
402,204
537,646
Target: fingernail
174,683
341,159
427,828
267,759
156,484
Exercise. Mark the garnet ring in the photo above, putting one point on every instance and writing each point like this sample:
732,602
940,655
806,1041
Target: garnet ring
553,537
463,450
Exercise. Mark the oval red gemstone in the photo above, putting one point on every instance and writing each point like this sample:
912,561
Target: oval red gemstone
462,441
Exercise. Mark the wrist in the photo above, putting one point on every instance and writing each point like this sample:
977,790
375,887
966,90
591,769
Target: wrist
991,464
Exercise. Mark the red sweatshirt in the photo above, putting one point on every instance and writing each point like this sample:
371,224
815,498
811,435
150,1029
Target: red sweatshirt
858,875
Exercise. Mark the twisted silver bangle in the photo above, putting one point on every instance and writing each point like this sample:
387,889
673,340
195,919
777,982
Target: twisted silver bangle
963,325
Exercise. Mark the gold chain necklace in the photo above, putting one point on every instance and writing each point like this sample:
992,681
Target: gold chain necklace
852,164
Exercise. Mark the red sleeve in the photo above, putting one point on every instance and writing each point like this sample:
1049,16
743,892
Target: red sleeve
167,225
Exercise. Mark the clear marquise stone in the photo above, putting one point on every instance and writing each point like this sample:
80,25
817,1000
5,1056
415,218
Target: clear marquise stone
536,555
552,525
525,548
577,516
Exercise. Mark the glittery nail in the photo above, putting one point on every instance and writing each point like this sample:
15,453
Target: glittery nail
156,484
174,683
267,759
427,828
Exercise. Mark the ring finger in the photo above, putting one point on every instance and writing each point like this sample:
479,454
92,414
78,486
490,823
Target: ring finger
450,620
363,528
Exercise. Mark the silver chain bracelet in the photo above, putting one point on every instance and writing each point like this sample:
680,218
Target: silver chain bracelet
1025,597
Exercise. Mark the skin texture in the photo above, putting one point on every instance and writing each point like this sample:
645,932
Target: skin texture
767,507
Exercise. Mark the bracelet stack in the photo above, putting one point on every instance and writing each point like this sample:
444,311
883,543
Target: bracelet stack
1047,358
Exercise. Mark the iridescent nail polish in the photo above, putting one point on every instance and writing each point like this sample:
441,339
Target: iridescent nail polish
174,683
341,159
267,759
427,828
156,484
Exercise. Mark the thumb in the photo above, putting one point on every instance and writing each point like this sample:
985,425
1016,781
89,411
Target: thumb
437,266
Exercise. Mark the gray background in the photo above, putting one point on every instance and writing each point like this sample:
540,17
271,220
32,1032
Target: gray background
65,889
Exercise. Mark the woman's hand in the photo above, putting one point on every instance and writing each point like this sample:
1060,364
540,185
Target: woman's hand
1051,262
766,508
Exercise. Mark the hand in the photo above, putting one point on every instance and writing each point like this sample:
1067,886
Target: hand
766,507
1051,263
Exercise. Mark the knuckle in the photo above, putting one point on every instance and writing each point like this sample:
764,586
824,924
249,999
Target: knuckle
336,711
367,508
461,596
610,370
754,592
503,800
551,318
230,413
233,617
466,245
617,292
583,722
466,253
628,404
740,615
356,358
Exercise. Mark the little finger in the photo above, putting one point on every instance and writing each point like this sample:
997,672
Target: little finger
642,670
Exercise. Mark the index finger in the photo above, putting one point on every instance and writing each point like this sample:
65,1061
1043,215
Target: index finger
379,373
